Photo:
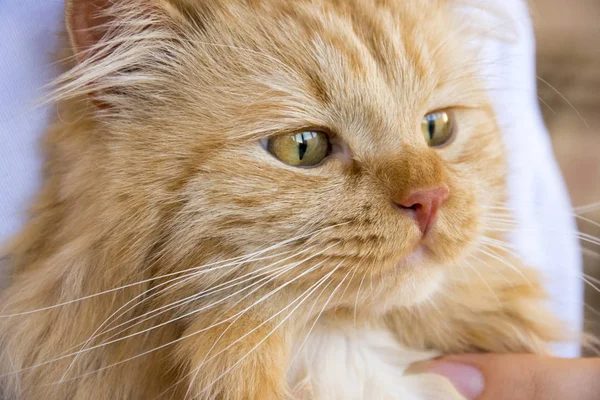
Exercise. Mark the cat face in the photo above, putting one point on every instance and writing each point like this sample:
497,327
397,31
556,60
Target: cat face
298,127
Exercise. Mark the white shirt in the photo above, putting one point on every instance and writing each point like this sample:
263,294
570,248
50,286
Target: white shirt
29,34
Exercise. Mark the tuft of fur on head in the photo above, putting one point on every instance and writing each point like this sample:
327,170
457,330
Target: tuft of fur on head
169,254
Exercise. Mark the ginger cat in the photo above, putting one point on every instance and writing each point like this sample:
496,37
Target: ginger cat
265,199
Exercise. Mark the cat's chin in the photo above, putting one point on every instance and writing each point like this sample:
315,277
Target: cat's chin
410,293
411,281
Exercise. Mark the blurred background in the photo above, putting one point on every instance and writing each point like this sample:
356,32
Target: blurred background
568,35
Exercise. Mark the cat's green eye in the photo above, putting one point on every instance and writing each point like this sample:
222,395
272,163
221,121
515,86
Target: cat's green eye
437,128
302,149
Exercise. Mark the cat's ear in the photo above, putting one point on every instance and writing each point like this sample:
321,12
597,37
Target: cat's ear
89,21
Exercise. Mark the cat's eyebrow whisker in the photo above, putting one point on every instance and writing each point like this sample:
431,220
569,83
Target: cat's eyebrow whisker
487,32
182,337
272,331
250,104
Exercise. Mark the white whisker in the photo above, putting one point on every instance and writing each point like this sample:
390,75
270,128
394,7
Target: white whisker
357,294
232,260
191,334
215,289
268,335
321,313
494,255
142,332
495,269
171,306
589,221
237,340
587,208
483,280
587,280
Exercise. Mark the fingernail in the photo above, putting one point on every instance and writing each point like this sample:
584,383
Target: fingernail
465,378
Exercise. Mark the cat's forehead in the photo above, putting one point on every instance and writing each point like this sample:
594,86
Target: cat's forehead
371,67
386,34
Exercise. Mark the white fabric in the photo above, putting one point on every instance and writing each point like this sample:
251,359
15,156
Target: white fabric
28,32
545,238
28,35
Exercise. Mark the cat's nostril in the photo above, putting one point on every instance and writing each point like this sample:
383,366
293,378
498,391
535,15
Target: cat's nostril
408,209
423,205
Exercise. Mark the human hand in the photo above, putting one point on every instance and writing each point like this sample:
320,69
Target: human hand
518,376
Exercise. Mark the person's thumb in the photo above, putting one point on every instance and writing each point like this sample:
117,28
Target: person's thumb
518,377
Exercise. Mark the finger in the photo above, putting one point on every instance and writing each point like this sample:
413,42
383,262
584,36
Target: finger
519,377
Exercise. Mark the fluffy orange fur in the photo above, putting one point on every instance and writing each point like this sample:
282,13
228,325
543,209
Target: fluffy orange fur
168,254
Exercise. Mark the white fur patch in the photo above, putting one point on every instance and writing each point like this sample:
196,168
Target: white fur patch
358,364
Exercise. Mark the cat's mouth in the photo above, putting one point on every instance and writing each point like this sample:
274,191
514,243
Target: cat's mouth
429,248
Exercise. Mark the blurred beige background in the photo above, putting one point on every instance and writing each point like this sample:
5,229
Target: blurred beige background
568,34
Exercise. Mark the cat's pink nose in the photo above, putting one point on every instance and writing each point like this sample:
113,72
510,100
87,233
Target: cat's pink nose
423,205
